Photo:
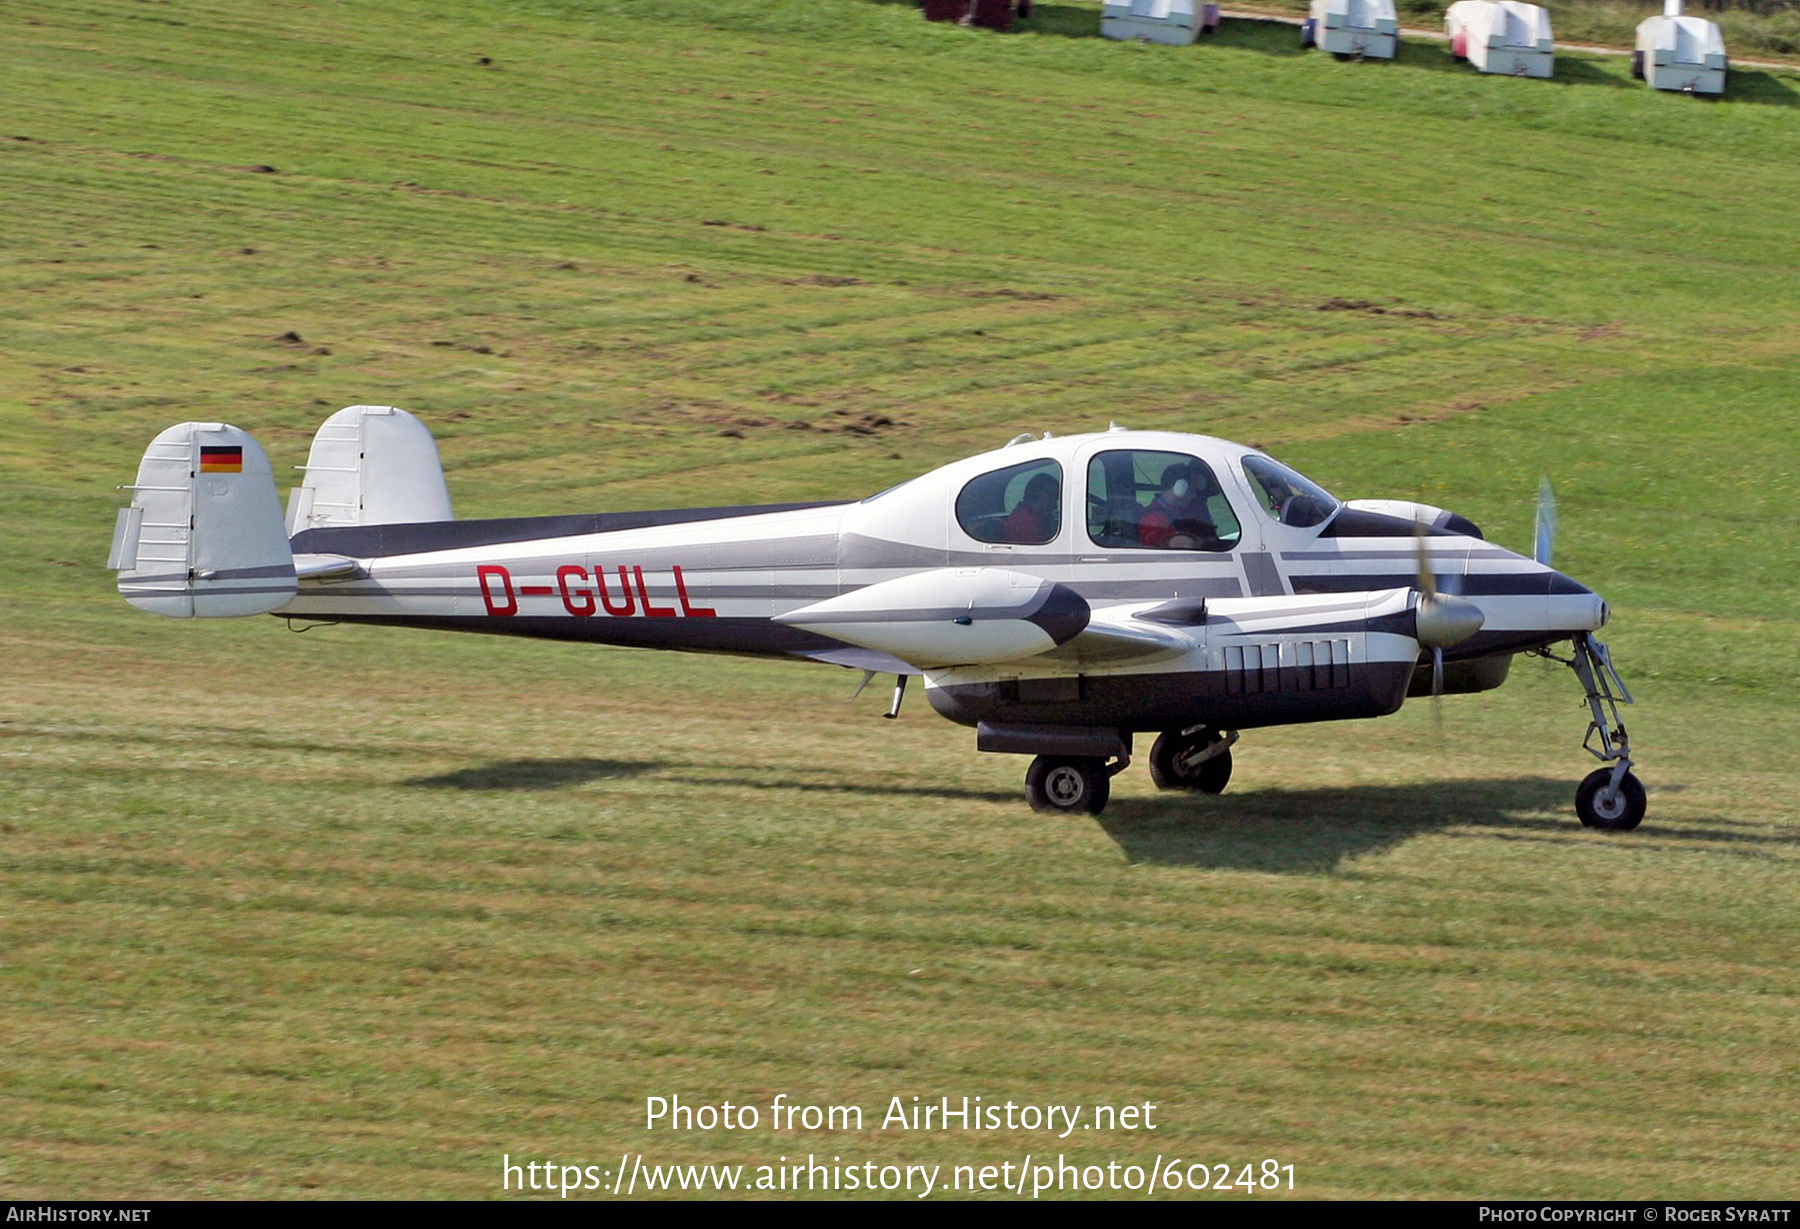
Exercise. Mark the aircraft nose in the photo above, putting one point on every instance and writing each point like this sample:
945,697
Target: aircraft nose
1574,606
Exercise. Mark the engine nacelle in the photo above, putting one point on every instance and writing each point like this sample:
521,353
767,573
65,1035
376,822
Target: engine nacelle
1428,515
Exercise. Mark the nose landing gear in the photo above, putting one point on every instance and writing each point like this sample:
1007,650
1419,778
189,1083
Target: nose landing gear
1610,798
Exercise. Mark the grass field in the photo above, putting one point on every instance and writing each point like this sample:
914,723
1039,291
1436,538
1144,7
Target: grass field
358,913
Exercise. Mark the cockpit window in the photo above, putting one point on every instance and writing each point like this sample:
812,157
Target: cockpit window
1286,495
1021,504
1162,500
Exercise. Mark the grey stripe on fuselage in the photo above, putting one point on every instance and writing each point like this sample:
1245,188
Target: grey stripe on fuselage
1263,576
380,541
747,637
182,578
1476,551
1472,584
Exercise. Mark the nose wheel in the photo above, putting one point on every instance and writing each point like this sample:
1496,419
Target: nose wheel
1610,798
1609,804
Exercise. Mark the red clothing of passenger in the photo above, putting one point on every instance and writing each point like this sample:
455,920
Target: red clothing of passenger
1026,525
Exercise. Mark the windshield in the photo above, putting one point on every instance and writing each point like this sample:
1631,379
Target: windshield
1286,495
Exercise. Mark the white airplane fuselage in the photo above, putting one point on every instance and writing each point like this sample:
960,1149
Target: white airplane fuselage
1292,628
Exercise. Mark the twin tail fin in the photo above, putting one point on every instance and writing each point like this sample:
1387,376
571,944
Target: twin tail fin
205,538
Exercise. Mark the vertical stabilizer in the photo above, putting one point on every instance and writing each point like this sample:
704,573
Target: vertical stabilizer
203,536
370,465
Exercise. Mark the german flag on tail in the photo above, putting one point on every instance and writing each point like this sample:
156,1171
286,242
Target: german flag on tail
221,458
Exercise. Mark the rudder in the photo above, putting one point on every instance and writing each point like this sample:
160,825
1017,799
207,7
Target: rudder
203,536
370,465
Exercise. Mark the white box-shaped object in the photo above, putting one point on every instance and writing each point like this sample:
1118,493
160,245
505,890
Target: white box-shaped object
1501,36
1157,21
1680,53
1366,28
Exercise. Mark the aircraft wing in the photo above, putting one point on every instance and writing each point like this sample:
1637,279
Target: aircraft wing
854,658
950,617
1113,636
981,616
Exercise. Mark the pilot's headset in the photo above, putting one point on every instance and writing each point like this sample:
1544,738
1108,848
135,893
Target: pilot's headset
1182,484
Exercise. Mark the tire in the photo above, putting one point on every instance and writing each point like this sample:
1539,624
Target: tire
1610,810
1637,65
1068,785
1306,33
1208,777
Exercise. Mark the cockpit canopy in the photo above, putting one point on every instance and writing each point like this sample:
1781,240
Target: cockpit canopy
1152,498
1118,490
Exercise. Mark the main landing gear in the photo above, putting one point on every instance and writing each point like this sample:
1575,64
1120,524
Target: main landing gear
1071,784
1610,798
1196,759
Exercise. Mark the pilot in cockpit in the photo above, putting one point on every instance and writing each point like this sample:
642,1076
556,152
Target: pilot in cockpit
1177,518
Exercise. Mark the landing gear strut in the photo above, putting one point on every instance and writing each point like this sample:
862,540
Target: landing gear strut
1610,798
1196,758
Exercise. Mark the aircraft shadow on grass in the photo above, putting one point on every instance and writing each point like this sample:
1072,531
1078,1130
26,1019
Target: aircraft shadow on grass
528,775
1313,831
1289,831
535,774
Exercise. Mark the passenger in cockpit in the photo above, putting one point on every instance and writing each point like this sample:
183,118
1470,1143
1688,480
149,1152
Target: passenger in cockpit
1035,519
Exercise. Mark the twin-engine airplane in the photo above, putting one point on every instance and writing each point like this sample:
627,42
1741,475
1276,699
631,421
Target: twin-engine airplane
1059,595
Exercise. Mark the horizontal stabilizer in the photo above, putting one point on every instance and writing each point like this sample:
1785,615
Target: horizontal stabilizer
203,536
327,567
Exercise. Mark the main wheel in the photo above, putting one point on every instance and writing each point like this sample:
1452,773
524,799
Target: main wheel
1207,777
1601,806
1073,785
1637,65
1306,33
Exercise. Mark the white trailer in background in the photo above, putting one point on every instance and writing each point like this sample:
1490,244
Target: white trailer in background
1501,36
1680,53
1177,22
1366,29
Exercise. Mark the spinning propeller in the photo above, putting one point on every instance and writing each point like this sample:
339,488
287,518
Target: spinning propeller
1444,619
1545,539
